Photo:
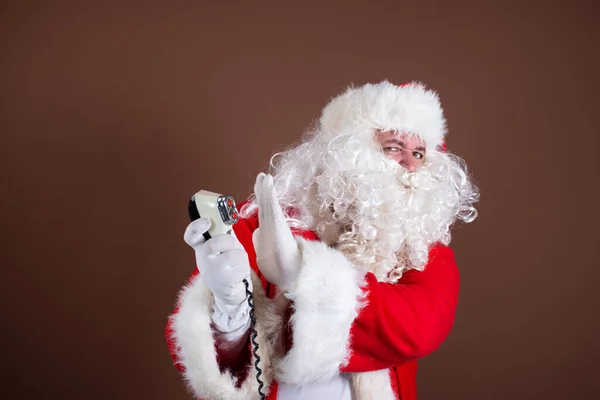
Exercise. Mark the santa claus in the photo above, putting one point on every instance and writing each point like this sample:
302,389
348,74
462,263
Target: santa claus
344,245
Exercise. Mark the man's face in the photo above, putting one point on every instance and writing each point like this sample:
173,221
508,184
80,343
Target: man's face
408,151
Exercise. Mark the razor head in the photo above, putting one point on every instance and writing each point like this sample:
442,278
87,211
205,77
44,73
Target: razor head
227,209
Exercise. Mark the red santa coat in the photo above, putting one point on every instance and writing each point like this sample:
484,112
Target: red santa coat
339,320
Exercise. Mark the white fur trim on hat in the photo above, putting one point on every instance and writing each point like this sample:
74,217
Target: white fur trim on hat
409,108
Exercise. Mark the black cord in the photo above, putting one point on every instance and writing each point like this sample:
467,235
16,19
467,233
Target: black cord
253,339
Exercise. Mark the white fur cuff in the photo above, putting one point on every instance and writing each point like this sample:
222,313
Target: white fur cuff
196,346
326,298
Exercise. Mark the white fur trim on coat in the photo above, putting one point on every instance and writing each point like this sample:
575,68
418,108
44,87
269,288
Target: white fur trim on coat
409,108
196,346
326,299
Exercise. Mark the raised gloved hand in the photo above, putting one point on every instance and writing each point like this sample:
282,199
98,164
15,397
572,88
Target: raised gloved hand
223,264
277,252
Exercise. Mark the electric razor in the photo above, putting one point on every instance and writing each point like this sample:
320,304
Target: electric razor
221,210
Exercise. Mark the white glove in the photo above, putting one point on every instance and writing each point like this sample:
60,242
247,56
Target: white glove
223,265
277,252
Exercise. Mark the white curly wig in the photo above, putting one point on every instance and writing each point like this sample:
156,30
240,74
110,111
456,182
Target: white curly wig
339,183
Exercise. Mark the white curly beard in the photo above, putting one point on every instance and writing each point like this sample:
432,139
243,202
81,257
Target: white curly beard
382,217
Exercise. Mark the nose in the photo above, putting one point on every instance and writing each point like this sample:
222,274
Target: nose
408,163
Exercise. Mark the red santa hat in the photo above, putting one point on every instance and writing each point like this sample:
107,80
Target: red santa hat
407,108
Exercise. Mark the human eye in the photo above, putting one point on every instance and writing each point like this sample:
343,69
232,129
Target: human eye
417,155
391,148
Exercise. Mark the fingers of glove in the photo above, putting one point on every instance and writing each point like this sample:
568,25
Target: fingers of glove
234,293
222,281
270,204
194,233
263,200
226,268
234,257
274,221
281,229
236,267
258,191
222,243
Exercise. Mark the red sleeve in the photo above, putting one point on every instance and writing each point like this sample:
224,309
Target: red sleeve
406,320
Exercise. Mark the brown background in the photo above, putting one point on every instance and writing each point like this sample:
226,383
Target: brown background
114,113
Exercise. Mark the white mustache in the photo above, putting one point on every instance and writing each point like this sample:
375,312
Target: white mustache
409,180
